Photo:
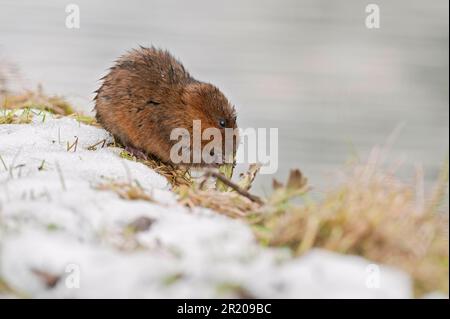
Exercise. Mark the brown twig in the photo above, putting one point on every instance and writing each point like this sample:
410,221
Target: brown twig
234,186
73,145
94,146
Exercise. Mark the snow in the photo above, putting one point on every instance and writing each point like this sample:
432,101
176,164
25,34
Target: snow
54,220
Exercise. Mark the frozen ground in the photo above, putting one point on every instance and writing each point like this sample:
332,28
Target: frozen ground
62,237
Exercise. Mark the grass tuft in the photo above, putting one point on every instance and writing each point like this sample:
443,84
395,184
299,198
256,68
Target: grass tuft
176,176
371,214
16,117
128,191
37,99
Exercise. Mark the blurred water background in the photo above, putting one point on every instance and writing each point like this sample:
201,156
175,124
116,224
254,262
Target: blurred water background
310,68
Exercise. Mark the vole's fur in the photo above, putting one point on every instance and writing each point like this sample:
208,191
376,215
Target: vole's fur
147,93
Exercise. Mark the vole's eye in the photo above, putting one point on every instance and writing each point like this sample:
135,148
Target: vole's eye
222,123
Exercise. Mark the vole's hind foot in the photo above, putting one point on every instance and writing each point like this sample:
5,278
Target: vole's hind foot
139,154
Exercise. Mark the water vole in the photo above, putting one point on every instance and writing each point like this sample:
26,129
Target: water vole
148,93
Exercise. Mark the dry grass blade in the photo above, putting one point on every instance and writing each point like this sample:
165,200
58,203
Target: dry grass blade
297,185
296,180
73,145
94,146
126,190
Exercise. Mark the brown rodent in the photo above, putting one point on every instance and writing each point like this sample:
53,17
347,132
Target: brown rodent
147,93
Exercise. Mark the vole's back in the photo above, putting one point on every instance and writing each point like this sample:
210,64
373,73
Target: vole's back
139,93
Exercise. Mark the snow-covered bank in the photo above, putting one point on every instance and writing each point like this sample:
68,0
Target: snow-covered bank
56,224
